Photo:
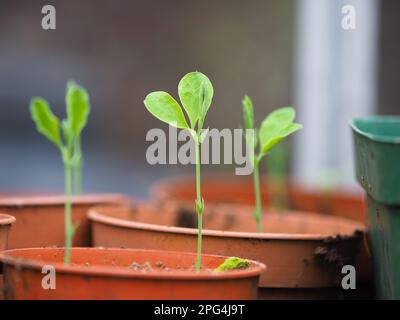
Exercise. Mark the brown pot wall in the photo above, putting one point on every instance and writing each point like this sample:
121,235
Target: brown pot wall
105,274
300,250
40,219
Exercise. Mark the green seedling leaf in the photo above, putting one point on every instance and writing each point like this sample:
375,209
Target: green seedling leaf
274,137
284,116
248,113
277,126
196,92
204,101
233,263
248,119
164,107
78,108
46,122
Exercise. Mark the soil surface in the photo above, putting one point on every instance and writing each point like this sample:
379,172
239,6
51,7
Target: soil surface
146,266
160,266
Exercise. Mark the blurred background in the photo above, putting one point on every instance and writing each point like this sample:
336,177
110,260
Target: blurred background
280,52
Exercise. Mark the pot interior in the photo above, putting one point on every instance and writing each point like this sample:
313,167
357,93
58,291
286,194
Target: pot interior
343,202
237,218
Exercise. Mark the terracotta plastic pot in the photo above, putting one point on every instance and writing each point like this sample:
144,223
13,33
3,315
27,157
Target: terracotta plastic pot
98,273
303,252
347,203
5,224
40,219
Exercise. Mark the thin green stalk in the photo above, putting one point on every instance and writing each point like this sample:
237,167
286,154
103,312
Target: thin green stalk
77,168
199,204
257,191
67,216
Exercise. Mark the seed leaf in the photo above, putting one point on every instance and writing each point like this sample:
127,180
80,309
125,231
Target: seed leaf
164,107
195,92
277,126
282,117
78,108
46,122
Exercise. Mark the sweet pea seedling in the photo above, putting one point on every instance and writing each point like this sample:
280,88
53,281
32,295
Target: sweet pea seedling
64,135
195,92
274,128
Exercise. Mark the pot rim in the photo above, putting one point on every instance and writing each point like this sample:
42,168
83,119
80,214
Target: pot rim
10,257
6,219
96,216
51,200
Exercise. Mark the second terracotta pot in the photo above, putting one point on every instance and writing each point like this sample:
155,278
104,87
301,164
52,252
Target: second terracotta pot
40,219
303,252
346,203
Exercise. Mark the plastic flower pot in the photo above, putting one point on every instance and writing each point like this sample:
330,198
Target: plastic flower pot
5,224
98,273
40,219
377,159
347,203
303,252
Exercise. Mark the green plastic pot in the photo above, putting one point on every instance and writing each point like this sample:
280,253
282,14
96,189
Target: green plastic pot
377,161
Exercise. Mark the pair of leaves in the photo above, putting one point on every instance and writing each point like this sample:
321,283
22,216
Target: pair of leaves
275,127
77,107
195,92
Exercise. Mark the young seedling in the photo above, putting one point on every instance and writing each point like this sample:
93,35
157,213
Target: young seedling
274,128
195,92
64,135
